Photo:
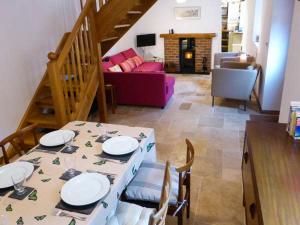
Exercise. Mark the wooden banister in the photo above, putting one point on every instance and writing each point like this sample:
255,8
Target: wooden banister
74,70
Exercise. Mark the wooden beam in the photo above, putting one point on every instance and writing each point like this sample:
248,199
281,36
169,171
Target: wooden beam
188,35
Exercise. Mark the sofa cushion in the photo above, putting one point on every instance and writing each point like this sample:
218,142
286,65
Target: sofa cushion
115,68
126,66
129,53
137,60
149,67
131,63
117,59
106,65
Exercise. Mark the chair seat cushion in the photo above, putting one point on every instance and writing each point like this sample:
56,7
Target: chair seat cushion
132,214
147,184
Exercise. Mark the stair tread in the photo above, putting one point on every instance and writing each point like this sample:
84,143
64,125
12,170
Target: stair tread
45,102
44,120
122,26
134,12
109,39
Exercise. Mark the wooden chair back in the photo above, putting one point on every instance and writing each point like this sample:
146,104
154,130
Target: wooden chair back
159,218
16,140
185,178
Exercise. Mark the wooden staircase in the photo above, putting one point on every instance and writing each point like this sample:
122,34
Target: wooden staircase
120,16
74,75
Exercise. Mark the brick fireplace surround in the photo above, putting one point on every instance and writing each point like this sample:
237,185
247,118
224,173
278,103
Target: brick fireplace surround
203,48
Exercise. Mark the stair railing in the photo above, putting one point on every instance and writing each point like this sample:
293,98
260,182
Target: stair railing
74,70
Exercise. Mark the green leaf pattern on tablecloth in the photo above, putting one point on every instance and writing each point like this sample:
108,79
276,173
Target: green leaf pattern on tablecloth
33,196
20,221
101,162
105,205
84,157
98,125
41,171
149,146
94,136
38,218
56,161
142,135
34,160
88,144
112,132
134,170
9,208
73,222
89,131
80,124
46,180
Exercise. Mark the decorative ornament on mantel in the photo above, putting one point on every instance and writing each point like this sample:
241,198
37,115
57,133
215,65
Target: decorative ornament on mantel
180,1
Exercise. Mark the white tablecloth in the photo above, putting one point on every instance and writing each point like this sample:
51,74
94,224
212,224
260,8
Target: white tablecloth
48,185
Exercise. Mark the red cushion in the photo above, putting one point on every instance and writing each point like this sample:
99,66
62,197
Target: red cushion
131,63
141,58
125,66
106,65
129,53
149,67
137,60
117,59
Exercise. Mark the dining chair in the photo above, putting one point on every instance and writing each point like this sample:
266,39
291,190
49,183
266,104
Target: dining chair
133,214
17,141
145,187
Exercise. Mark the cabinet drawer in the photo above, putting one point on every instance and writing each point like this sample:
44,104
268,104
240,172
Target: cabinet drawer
251,206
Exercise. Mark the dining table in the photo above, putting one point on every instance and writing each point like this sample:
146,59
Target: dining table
39,206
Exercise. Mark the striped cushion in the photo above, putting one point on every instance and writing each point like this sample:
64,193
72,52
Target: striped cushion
115,68
131,63
137,60
147,184
130,214
125,66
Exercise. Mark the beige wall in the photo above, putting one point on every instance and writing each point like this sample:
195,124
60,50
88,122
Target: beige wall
29,30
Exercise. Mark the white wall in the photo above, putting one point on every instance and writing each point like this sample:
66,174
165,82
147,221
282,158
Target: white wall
291,90
29,30
272,50
160,18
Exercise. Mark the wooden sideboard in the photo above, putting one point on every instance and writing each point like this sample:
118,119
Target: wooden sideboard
271,175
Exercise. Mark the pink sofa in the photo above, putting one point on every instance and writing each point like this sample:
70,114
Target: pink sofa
146,85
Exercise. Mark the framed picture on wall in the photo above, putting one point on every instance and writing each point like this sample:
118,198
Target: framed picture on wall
184,13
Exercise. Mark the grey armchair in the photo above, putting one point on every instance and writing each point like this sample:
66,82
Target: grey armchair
233,83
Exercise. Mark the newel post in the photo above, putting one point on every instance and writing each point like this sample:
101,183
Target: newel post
56,89
97,55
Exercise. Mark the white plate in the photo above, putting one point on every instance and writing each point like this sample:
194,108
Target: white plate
56,138
85,189
7,171
120,145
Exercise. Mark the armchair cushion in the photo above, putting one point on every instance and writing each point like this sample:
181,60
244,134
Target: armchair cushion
117,59
147,184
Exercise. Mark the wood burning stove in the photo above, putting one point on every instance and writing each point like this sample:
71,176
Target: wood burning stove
187,55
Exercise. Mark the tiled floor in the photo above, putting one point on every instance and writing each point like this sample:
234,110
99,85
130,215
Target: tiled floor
217,135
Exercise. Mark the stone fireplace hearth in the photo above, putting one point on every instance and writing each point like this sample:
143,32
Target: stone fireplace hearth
201,53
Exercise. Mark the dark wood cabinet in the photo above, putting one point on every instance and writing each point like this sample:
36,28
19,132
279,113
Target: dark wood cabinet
271,175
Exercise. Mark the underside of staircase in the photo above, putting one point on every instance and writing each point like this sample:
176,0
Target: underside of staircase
74,77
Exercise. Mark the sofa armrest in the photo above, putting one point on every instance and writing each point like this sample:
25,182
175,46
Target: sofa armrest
233,83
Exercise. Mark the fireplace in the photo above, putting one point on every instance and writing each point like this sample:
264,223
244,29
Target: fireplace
196,52
187,55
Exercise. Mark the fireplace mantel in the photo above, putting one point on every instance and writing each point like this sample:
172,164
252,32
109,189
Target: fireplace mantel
189,35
